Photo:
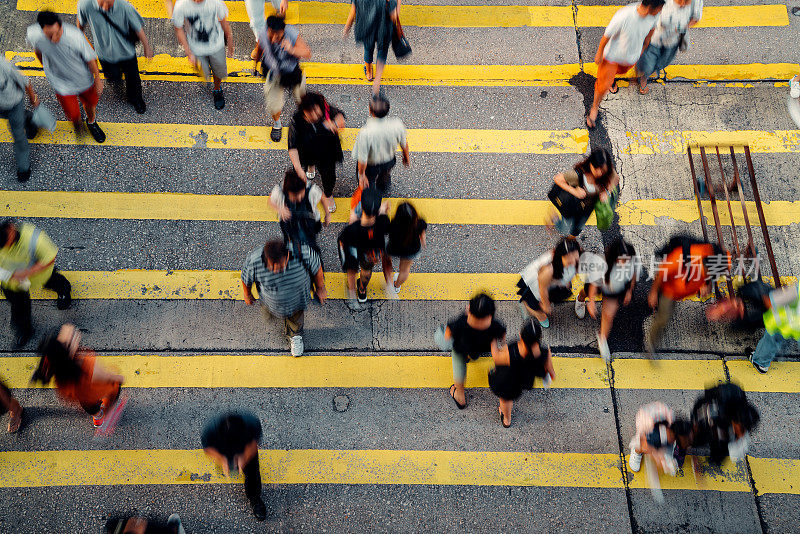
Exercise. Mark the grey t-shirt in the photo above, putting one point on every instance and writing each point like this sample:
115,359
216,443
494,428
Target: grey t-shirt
110,44
274,54
64,61
202,24
12,85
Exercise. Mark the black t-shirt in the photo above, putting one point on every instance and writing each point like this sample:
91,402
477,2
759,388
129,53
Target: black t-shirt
313,141
398,246
368,242
470,342
230,433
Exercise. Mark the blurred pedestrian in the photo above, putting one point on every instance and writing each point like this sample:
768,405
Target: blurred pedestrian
203,31
407,238
314,142
589,182
280,49
11,405
781,325
116,27
27,263
284,280
621,269
669,36
79,380
142,525
297,204
13,87
374,22
723,419
232,441
470,336
547,280
517,366
623,42
362,245
255,12
376,145
70,65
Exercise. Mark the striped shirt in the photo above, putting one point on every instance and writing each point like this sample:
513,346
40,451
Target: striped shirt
283,293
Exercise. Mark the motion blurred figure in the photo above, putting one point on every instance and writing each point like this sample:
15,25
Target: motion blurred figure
255,12
781,325
297,204
723,419
141,525
376,145
9,404
13,88
407,238
374,21
548,280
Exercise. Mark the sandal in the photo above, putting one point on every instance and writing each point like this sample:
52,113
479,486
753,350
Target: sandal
453,394
15,423
614,88
368,73
643,90
503,421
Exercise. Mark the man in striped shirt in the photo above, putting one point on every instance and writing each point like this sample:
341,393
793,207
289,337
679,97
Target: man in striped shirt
284,282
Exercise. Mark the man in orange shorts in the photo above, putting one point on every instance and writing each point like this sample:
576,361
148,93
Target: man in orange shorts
623,42
70,65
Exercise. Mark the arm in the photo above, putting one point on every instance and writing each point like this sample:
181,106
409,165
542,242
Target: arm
283,8
250,451
339,121
499,354
226,29
248,295
294,157
350,18
561,181
545,277
38,55
32,95
406,154
652,298
548,365
598,57
629,293
283,212
362,175
423,238
148,50
181,35
319,282
647,40
300,49
591,306
98,81
22,274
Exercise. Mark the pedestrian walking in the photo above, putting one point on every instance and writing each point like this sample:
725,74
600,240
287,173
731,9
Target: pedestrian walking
314,144
619,273
374,23
407,238
781,325
232,440
116,27
141,525
27,263
669,36
10,405
376,145
723,419
203,31
577,191
70,65
280,49
79,379
13,88
297,203
625,39
547,280
518,365
255,13
284,279
468,337
362,245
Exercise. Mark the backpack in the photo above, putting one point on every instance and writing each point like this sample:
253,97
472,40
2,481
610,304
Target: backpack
303,226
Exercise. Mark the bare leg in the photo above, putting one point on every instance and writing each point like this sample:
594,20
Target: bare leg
403,272
376,83
505,409
217,82
91,114
608,311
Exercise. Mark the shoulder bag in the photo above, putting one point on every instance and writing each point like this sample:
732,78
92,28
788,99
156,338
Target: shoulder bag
129,36
400,45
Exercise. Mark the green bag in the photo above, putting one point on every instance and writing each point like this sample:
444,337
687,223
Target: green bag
604,210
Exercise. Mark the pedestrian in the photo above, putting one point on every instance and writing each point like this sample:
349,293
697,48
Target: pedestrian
314,142
255,12
232,440
70,65
470,336
682,273
547,280
590,181
620,271
625,39
723,419
296,202
517,366
284,279
116,26
280,49
203,31
376,145
141,525
79,379
13,87
669,36
407,237
27,263
11,405
374,22
781,324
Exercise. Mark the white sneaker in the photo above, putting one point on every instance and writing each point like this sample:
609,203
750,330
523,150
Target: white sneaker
311,173
635,461
391,292
397,289
332,207
296,345
602,344
580,308
546,381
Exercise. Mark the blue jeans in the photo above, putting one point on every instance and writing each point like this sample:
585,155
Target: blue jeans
16,123
369,52
768,347
655,59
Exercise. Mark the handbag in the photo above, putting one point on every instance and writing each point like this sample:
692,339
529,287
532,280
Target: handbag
400,45
129,36
568,204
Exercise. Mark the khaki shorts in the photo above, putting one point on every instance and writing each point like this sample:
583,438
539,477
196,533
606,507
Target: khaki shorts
216,64
274,93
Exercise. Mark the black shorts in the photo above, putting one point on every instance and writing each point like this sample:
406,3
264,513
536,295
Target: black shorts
555,293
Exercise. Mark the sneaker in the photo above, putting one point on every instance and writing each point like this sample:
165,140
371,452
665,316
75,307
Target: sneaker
761,369
546,382
635,461
22,339
580,308
174,522
396,289
332,207
311,173
97,420
63,301
602,344
296,345
361,292
97,133
391,291
219,98
140,107
545,323
24,176
276,134
259,509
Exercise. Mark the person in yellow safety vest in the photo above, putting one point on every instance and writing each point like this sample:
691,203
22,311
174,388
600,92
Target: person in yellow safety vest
781,324
27,263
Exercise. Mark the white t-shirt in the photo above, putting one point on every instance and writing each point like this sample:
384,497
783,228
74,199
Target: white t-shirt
673,21
531,274
314,197
626,34
202,24
65,61
378,139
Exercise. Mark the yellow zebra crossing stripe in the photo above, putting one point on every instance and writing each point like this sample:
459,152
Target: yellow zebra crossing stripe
464,16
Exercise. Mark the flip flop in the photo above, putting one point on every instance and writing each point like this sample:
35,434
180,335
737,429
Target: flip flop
15,423
370,77
644,90
453,394
614,88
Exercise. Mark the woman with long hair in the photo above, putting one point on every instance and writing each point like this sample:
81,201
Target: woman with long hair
548,279
406,240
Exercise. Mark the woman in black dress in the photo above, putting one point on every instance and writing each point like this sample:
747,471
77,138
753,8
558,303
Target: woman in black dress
516,367
406,239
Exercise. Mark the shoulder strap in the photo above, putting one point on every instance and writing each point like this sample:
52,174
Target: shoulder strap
113,24
32,247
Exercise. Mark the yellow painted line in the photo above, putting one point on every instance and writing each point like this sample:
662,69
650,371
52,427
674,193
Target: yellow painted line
463,16
667,374
783,376
675,142
775,475
262,371
195,207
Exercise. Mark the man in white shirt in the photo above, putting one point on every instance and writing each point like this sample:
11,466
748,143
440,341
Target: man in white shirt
376,145
623,42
